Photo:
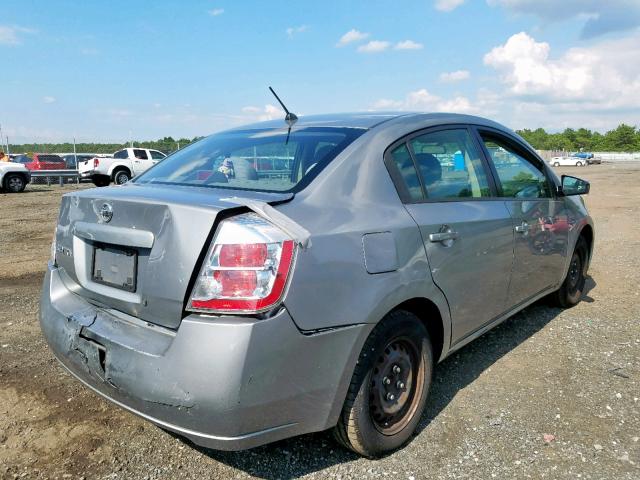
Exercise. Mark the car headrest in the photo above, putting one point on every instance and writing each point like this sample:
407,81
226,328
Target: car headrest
430,167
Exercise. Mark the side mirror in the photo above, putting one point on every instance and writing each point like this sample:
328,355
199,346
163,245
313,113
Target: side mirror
573,186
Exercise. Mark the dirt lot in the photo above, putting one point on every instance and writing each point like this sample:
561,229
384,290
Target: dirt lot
548,394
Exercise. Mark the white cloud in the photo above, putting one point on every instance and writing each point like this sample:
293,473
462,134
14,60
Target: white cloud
216,12
587,86
458,75
600,74
258,114
351,36
291,31
448,5
408,45
48,99
423,100
10,35
600,16
374,46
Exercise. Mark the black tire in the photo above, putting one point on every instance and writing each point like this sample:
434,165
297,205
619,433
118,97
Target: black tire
120,177
578,164
570,293
367,424
556,164
101,180
14,183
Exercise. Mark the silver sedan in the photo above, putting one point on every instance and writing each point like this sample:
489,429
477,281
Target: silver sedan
268,281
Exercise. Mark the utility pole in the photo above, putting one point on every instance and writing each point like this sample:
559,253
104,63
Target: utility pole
7,145
130,139
1,136
75,157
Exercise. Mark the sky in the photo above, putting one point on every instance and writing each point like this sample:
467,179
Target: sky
108,71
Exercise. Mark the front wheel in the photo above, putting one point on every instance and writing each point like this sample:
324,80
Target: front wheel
570,292
578,164
556,164
389,387
14,183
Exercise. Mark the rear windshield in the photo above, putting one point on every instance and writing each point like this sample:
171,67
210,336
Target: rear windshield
261,160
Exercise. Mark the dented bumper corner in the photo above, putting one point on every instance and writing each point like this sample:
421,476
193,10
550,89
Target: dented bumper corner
224,382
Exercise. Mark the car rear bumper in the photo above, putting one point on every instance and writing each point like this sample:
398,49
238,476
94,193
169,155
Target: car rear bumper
224,382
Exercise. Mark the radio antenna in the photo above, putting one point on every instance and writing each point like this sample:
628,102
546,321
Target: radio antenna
290,117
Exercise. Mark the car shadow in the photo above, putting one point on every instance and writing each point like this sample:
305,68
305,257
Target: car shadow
299,456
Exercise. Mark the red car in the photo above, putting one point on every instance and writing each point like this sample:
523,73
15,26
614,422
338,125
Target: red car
46,161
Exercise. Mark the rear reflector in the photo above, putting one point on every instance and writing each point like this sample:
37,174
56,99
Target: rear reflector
246,268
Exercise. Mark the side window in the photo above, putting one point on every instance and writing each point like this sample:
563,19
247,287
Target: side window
156,155
403,161
121,154
140,154
518,176
450,165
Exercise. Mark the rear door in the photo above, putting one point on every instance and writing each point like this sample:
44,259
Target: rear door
141,160
467,230
540,221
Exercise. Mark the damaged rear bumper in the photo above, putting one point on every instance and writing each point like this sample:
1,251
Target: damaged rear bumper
228,383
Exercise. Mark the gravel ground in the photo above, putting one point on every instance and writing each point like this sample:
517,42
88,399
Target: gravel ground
548,394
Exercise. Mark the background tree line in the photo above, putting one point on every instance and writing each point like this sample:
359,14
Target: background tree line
166,145
624,138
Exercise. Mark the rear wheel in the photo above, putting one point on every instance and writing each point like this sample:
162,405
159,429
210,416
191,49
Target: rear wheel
578,164
14,183
101,180
389,387
121,177
570,293
557,164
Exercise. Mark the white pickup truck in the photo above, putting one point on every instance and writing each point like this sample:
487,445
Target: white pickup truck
13,177
120,168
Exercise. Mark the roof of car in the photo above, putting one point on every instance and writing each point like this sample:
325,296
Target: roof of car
368,120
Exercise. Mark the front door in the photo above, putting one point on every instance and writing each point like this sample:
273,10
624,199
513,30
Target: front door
467,231
540,223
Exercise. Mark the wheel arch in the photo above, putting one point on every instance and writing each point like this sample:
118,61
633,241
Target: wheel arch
120,168
429,314
587,233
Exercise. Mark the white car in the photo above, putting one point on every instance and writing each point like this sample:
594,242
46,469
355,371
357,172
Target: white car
121,167
567,162
13,177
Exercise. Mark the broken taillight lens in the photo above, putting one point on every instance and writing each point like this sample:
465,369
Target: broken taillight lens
246,268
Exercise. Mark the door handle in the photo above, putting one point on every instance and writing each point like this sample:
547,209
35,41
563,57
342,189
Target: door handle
522,228
442,236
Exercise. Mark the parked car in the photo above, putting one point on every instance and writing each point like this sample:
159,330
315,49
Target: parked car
71,160
121,167
20,158
567,161
235,307
46,161
14,177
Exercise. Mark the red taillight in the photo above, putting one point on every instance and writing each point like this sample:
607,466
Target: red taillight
243,255
244,277
96,163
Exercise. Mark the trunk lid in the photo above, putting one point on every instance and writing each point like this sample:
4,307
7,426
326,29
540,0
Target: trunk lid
166,227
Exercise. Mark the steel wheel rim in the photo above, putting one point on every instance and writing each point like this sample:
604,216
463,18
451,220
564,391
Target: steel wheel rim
575,272
122,178
396,385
